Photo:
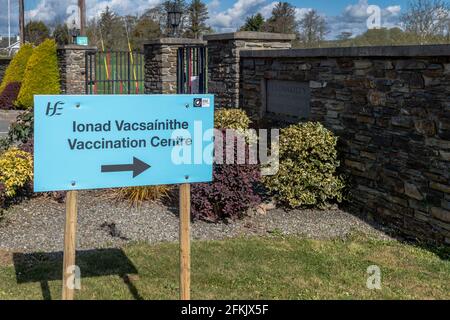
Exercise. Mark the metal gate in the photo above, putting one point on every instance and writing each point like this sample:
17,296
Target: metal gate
192,70
114,72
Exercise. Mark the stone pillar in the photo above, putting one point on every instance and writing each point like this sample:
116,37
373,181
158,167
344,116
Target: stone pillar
224,60
161,63
72,68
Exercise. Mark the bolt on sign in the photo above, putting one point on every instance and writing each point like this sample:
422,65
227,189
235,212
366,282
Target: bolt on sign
108,141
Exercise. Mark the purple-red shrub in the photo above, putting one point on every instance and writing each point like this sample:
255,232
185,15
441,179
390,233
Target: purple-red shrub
231,193
2,195
9,96
28,146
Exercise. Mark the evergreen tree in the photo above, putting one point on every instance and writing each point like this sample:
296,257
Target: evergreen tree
112,31
283,19
145,29
36,32
196,21
61,34
254,23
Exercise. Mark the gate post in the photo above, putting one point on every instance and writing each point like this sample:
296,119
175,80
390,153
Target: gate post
72,68
161,63
224,60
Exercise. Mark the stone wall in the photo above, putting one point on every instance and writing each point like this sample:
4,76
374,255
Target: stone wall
224,60
161,63
4,63
72,66
390,108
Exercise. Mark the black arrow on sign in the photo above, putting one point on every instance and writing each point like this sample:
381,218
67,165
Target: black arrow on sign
137,167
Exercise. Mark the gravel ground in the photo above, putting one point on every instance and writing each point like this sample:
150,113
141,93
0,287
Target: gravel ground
37,224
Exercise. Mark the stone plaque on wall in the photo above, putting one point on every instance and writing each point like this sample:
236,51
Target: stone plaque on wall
288,98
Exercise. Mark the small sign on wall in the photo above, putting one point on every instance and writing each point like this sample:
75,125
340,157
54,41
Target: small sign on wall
82,41
288,99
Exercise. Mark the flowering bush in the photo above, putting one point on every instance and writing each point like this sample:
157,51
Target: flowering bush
308,162
16,170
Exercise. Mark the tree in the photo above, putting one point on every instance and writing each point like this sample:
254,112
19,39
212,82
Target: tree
61,34
112,31
427,19
36,32
145,29
283,19
384,36
254,23
345,35
196,21
313,28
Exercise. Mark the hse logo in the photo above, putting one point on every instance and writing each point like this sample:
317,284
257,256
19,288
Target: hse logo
202,102
54,110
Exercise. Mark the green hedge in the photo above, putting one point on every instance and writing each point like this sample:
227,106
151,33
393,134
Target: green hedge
308,161
17,66
41,75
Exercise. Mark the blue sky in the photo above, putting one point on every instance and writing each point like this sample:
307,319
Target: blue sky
225,15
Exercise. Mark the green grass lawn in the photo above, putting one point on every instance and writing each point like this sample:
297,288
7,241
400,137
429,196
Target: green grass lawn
254,268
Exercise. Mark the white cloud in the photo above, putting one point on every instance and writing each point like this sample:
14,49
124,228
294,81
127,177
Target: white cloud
354,18
232,18
300,12
213,5
57,11
395,10
266,11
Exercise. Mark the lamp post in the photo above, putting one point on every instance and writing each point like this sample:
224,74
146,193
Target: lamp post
174,16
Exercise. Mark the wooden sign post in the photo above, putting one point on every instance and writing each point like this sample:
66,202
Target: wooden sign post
85,137
185,242
70,245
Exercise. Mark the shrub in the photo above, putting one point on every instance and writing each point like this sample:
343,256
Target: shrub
28,146
5,143
41,75
2,196
17,66
308,162
231,119
231,193
16,170
137,195
9,95
22,129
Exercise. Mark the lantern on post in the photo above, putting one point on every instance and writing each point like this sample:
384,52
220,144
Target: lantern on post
174,17
74,32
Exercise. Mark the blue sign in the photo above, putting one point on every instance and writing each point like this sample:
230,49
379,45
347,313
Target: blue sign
82,41
108,141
